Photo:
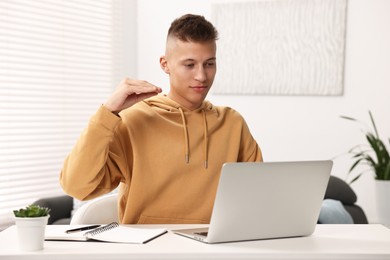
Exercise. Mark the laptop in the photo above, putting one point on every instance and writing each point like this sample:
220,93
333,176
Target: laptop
265,200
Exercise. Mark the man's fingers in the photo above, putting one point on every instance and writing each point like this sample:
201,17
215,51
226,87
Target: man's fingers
141,86
129,92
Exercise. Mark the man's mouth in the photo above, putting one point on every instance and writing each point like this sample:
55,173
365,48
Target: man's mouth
199,88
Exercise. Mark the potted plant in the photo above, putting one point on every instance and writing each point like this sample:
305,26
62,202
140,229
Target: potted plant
375,157
31,223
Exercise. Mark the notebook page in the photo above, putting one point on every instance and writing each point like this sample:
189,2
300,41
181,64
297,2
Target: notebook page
58,232
123,234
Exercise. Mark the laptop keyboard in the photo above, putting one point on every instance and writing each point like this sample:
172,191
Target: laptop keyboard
204,234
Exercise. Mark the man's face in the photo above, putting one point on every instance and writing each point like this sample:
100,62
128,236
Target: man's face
191,67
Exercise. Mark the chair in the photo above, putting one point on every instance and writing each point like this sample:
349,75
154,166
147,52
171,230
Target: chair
339,190
102,210
61,208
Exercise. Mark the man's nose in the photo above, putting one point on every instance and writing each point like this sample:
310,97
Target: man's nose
200,74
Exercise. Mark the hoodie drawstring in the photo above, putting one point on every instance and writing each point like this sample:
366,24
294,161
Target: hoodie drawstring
186,141
206,140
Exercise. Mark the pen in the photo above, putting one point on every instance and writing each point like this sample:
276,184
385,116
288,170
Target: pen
81,229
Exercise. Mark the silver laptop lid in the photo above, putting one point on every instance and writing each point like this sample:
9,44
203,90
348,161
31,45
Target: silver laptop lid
268,200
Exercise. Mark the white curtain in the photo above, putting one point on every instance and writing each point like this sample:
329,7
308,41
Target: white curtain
59,61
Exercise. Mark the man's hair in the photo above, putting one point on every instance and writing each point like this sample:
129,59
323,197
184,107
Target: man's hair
194,28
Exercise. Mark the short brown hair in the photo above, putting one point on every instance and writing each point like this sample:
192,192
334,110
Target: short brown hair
193,28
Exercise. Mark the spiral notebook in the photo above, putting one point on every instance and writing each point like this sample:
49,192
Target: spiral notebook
112,232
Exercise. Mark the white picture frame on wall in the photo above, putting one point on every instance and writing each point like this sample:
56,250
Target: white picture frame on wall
280,47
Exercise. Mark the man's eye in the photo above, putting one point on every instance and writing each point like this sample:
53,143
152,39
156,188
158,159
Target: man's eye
210,63
189,65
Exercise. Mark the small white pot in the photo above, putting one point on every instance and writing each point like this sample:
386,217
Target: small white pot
382,201
31,232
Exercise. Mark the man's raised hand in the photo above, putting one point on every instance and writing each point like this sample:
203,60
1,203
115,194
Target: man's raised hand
129,92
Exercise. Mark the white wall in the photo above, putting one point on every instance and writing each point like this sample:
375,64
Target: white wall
298,128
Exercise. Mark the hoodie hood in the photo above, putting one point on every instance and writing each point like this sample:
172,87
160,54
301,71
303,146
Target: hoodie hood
167,104
164,102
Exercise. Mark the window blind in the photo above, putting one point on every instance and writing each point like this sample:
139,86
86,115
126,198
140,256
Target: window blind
59,60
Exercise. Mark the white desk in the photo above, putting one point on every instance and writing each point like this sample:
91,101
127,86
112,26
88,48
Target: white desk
327,242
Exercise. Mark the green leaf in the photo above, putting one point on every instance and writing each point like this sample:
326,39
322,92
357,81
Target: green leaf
374,154
380,150
369,160
355,179
373,124
348,118
386,175
355,164
32,211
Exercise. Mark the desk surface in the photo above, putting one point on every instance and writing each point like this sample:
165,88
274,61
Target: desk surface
327,242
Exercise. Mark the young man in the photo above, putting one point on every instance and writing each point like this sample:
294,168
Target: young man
164,151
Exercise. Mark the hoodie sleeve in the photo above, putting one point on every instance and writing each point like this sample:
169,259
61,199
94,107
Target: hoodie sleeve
95,165
250,150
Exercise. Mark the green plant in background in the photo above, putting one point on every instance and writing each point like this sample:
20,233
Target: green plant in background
374,155
32,211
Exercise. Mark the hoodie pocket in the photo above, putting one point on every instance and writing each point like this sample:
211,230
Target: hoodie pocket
168,220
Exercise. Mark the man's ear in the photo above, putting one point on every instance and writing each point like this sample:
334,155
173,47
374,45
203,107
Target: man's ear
164,64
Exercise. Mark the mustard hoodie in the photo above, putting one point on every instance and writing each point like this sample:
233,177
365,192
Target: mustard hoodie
165,158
